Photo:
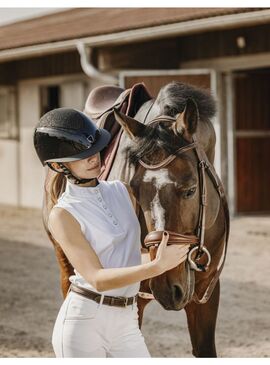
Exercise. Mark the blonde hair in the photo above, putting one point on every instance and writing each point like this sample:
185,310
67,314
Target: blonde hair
56,186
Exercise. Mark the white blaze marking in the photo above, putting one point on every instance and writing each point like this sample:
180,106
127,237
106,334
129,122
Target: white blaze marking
159,179
158,213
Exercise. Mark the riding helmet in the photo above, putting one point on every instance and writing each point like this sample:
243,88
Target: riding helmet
66,134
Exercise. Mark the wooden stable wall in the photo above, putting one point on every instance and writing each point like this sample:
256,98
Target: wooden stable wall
154,83
252,124
36,67
169,53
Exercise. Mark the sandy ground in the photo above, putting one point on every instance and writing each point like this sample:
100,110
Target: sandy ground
30,293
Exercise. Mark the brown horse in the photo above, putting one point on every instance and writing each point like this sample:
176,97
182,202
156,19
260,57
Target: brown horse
170,198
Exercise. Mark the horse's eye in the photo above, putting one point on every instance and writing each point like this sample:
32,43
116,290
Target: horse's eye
189,193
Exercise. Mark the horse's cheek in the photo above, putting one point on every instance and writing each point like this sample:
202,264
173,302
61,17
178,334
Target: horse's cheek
187,215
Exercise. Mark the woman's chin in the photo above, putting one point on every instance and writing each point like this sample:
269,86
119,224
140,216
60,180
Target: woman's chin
94,173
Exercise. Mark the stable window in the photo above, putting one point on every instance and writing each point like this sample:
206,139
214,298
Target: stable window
50,98
8,119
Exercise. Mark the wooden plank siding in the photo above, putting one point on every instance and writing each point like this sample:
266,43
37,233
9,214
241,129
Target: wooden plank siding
51,65
154,83
253,175
253,107
170,52
252,121
223,43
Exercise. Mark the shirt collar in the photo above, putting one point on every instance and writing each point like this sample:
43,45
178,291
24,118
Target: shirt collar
76,190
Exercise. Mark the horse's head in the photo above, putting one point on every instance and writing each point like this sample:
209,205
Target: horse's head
170,195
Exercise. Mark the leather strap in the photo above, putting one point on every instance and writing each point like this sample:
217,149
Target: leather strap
154,238
108,300
169,159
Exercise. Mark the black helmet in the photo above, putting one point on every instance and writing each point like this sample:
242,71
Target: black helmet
66,134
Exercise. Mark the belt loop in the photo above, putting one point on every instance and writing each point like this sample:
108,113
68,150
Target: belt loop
101,300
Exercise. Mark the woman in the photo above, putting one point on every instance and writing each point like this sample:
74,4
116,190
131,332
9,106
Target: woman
95,224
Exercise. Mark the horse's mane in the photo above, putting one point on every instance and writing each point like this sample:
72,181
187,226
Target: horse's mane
171,100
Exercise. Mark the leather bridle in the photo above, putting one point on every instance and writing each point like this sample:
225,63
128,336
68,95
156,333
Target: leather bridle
196,242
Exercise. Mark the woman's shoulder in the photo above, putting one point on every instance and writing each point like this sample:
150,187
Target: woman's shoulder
57,217
59,213
61,218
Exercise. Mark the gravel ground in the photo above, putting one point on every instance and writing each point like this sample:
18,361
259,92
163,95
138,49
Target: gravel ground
30,293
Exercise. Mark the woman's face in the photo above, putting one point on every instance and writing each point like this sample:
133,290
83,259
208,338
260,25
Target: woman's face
85,169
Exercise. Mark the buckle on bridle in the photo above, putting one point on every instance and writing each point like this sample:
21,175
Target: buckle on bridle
203,164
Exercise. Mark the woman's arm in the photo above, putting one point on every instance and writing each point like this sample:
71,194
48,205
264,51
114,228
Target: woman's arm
67,232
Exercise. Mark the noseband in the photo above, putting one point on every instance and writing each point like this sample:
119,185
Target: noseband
196,242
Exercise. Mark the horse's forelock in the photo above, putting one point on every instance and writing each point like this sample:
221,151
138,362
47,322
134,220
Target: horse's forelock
157,137
172,100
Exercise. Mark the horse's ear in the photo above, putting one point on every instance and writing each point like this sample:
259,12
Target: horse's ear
130,125
187,121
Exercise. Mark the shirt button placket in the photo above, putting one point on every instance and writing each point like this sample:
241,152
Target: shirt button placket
110,215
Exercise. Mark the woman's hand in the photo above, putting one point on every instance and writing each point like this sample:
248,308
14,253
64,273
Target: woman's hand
168,257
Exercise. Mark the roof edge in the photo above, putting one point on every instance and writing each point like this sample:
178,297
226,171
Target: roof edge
135,35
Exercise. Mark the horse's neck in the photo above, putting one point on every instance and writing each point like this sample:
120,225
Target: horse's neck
207,139
122,169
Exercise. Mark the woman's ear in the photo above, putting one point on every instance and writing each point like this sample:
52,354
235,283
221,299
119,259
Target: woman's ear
56,167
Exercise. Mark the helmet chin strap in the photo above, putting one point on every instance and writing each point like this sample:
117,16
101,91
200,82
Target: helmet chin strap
72,178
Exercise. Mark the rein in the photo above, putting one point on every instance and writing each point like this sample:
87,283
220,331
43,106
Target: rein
196,242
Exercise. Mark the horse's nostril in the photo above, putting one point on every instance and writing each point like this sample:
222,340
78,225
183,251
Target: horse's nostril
178,293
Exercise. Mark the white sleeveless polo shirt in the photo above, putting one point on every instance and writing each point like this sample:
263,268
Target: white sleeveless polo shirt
109,222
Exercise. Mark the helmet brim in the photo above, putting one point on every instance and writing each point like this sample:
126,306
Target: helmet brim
101,143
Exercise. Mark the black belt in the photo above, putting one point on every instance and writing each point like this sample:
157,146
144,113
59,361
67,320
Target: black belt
108,300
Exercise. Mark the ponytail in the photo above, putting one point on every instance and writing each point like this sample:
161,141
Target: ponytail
56,187
55,184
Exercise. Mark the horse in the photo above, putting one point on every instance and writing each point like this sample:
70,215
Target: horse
166,153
